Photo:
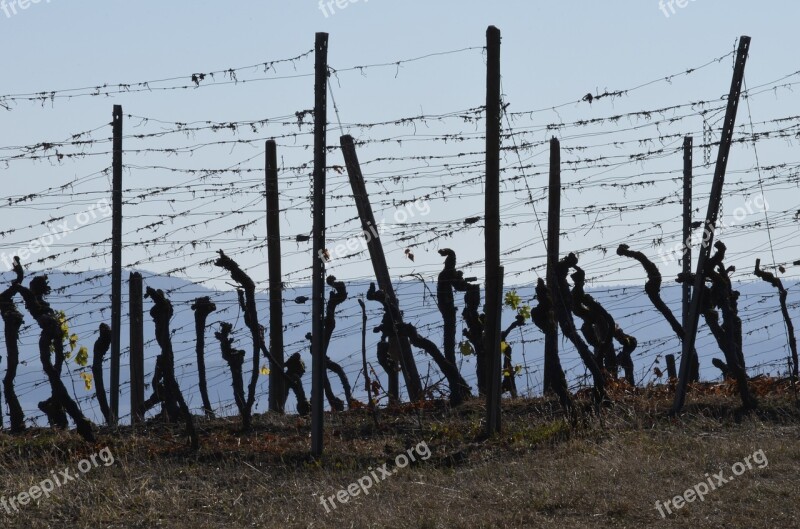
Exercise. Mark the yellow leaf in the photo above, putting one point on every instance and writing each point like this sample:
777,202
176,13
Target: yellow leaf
87,380
62,321
82,358
512,299
466,348
503,347
265,370
73,341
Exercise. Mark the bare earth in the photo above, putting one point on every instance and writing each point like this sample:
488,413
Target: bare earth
606,471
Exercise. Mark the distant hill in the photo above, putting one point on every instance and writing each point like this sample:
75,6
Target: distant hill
85,297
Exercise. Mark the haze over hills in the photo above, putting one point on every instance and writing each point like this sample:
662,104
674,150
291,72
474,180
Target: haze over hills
85,299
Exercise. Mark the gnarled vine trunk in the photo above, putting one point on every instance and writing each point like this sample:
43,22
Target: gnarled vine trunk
653,289
336,298
161,312
51,337
509,383
782,294
101,346
544,317
202,307
235,359
563,308
13,320
459,389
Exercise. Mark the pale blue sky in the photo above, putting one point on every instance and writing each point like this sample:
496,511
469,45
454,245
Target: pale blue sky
553,52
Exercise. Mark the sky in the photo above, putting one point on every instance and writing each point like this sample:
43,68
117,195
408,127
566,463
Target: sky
553,53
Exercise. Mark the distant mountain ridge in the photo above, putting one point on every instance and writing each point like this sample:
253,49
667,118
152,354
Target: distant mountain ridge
88,303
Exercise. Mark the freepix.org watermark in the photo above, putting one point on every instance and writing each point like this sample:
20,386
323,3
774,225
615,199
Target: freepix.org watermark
712,483
375,476
668,6
751,206
411,210
12,7
327,6
47,486
58,232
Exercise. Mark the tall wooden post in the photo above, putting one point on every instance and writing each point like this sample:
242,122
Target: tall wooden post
277,391
375,248
686,259
116,260
553,243
714,200
492,237
318,233
136,319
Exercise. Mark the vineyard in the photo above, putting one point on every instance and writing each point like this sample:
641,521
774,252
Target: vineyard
159,271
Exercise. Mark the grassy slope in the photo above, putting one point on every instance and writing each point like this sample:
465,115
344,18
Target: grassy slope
603,472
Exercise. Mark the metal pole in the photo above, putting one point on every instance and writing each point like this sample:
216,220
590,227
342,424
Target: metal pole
116,260
318,231
711,222
277,391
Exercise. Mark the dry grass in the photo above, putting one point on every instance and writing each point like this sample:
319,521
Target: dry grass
605,471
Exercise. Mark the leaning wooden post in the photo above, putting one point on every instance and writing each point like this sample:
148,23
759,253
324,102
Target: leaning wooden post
553,239
686,258
318,233
688,354
491,334
116,261
277,391
375,248
136,318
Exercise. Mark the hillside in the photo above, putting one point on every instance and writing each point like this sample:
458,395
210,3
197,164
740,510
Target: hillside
87,296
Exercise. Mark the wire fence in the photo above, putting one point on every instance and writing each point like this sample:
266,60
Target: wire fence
192,188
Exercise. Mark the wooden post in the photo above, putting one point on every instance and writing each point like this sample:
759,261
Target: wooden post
494,376
375,248
553,243
686,259
318,233
491,335
116,260
687,226
277,391
136,318
687,357
672,373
